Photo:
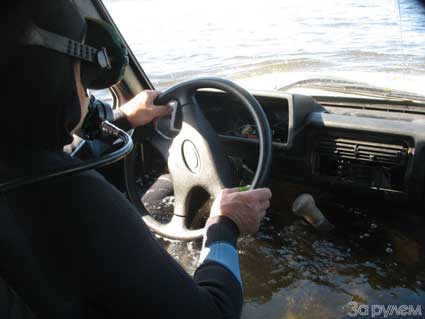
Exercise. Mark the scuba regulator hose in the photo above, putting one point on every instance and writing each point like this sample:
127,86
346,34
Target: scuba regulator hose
94,125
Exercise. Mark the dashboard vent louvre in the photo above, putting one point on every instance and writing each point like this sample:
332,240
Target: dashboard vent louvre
388,154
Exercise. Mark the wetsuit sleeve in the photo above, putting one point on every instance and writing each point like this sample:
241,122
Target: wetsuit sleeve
219,245
126,272
219,256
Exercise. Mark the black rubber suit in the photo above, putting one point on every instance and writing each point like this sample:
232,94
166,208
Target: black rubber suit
74,247
88,246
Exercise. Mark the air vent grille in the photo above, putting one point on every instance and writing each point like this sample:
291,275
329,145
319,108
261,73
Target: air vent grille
388,154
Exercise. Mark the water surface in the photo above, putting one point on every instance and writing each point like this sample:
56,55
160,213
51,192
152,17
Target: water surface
245,40
374,256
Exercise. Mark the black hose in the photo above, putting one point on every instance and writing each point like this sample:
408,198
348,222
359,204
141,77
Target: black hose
107,159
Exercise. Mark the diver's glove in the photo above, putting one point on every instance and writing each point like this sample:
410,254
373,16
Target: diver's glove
98,112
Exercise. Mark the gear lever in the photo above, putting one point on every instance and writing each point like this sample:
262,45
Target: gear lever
305,206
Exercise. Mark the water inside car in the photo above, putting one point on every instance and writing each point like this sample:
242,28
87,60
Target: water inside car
349,148
333,117
340,85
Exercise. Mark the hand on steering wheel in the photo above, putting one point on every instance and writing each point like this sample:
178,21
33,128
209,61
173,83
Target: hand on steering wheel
141,110
245,209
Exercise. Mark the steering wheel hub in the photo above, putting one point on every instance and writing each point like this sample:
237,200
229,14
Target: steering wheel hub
191,156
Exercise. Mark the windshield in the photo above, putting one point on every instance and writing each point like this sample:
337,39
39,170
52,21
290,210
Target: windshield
267,45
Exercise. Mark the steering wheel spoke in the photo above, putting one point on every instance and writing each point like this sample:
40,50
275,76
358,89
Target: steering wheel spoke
161,144
177,229
181,200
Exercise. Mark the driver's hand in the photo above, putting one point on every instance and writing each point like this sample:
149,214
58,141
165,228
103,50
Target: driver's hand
246,209
140,110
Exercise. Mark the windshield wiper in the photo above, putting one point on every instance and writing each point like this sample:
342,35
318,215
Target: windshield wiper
352,87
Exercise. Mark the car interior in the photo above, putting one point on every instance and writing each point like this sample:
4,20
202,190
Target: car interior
344,149
369,147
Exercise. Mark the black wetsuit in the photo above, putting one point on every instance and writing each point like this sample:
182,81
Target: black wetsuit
75,247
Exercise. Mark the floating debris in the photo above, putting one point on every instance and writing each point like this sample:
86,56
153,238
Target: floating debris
388,250
373,226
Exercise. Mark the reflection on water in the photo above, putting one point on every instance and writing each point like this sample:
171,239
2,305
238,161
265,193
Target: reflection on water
375,255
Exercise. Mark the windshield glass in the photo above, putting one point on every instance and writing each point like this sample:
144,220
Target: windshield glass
267,45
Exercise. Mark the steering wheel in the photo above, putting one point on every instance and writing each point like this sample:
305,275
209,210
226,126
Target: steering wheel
195,156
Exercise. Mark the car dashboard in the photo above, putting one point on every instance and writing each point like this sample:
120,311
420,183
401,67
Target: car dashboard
232,122
351,143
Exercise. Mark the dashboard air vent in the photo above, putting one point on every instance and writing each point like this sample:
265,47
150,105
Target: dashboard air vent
384,154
